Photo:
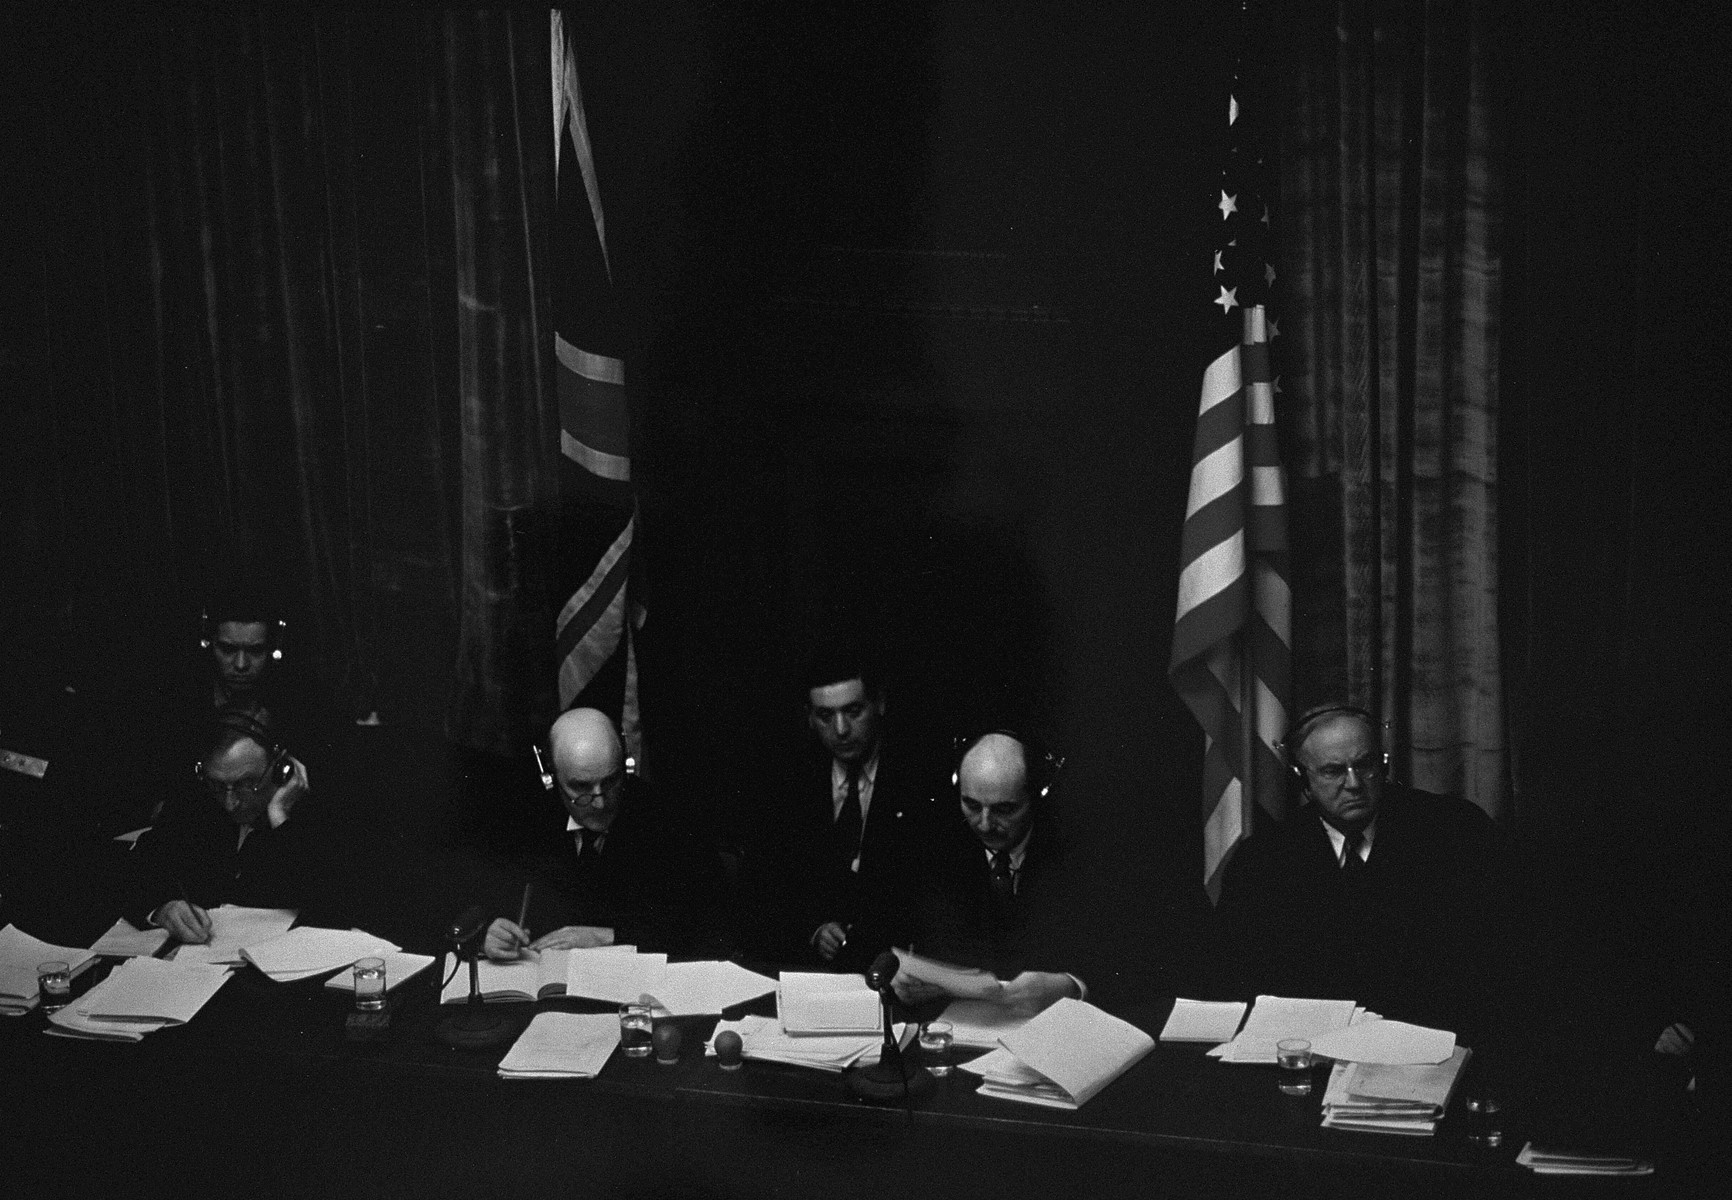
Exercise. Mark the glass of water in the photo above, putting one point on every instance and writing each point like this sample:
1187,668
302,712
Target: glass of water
636,1029
370,984
936,1038
1293,1059
54,984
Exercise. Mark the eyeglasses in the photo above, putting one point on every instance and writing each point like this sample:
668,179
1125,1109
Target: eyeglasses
222,791
591,792
1367,766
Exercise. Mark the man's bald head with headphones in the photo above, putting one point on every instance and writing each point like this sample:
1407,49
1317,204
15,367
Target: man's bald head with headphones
1336,754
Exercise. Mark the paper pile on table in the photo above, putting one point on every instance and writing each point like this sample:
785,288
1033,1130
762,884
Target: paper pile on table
1378,1098
562,1045
308,951
1062,1057
1569,1162
1275,1018
762,1038
232,929
140,996
20,954
693,989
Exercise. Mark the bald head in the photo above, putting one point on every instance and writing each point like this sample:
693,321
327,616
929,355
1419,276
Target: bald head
992,784
589,763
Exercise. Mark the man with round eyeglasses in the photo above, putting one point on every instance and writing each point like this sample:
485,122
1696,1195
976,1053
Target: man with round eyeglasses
1370,890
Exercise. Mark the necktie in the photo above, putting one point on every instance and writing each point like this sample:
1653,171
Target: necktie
1003,882
1351,864
848,824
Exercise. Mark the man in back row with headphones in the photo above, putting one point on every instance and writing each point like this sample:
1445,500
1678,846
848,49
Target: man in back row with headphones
1372,890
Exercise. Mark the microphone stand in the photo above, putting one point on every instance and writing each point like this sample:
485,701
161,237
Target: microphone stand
892,1077
474,1028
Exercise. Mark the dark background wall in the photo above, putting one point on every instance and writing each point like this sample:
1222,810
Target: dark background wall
913,284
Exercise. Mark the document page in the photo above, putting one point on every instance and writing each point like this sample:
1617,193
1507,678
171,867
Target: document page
233,928
966,983
700,988
1276,1017
19,955
1391,1043
400,967
149,989
979,1024
1079,1047
562,1045
1203,1021
813,1002
310,950
125,940
620,978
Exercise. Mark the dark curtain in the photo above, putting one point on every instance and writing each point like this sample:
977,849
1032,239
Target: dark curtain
273,312
1392,180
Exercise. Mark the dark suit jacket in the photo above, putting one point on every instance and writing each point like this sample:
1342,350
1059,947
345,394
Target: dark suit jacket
800,882
961,921
653,884
1424,935
191,850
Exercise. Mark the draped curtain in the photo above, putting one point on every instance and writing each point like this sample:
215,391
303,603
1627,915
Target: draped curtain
1392,187
278,315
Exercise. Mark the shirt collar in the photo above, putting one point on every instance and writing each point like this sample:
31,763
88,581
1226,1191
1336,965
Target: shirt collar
839,774
1338,841
1018,852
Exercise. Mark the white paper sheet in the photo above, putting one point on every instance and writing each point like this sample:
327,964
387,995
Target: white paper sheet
979,1024
618,978
1203,1021
151,990
1274,1018
400,967
701,988
125,940
809,1002
1393,1043
562,1045
233,928
1078,1047
310,950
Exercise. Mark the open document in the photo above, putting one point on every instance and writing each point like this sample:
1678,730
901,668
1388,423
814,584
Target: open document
521,980
562,1045
966,983
126,940
1274,1018
701,988
980,1024
621,977
1213,1021
308,951
19,956
1062,1057
1375,1098
400,967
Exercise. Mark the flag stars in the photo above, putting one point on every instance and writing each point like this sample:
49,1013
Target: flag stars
1265,217
1274,329
1268,274
1228,300
1232,109
1228,205
1218,267
1277,385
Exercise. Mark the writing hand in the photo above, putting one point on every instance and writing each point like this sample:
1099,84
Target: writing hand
186,921
829,939
575,937
507,941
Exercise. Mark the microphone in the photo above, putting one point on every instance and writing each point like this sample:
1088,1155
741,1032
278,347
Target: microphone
468,925
882,971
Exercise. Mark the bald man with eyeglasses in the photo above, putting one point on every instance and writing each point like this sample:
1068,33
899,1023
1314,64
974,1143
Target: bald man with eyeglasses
608,865
1370,890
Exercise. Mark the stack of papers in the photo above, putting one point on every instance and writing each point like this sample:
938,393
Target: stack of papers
126,940
140,996
762,1038
400,967
1564,1162
308,951
20,955
1062,1057
1274,1018
617,974
1374,1098
1214,1021
233,928
813,1003
562,1045
979,1024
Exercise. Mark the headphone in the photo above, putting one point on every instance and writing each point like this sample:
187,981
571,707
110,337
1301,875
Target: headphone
1044,766
1307,720
280,768
546,776
276,629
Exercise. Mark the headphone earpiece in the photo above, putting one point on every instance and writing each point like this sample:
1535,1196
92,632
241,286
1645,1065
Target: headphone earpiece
276,630
541,767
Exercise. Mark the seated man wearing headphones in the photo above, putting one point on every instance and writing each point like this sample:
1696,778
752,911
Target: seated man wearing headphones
1369,891
996,888
241,835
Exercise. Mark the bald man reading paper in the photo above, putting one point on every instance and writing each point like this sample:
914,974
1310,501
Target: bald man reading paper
996,888
609,866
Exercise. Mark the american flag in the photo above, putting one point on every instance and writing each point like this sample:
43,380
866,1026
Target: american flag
598,510
1231,639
